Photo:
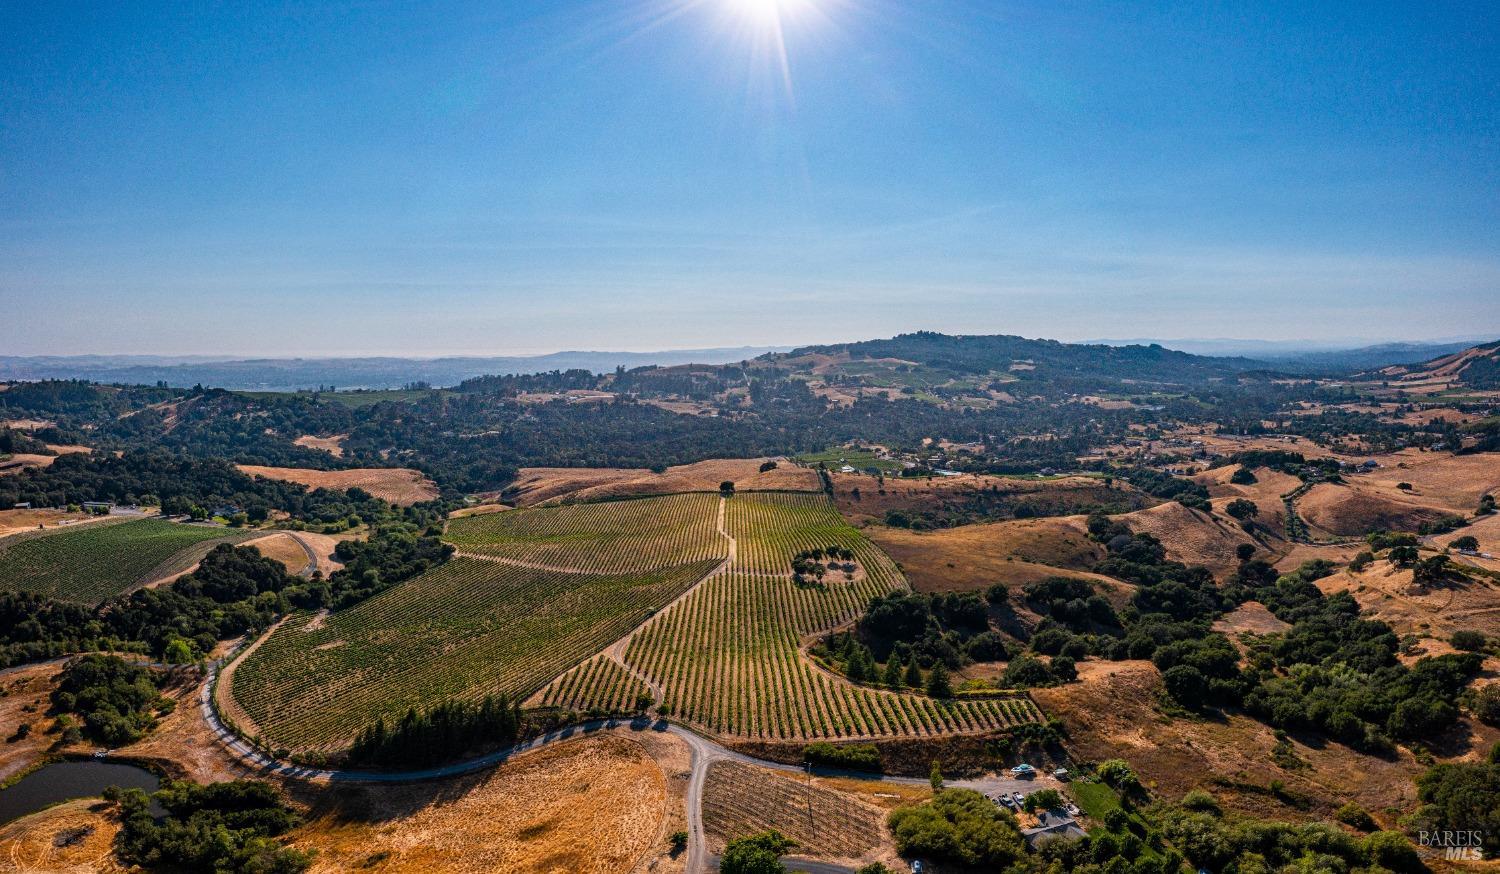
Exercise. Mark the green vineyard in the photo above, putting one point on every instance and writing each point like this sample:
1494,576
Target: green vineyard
94,562
538,595
728,659
608,537
469,628
600,684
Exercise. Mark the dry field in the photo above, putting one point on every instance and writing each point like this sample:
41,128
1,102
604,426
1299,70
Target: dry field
1269,486
479,510
827,824
1060,541
1298,553
333,445
19,461
600,804
1251,617
1453,482
1355,510
541,485
1387,593
182,744
1228,444
1247,621
27,424
282,548
1191,537
323,545
17,521
25,701
1485,529
398,485
683,408
70,838
1114,714
975,557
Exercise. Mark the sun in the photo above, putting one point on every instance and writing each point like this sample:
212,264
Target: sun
767,13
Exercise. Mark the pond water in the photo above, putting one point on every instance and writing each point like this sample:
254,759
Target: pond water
64,780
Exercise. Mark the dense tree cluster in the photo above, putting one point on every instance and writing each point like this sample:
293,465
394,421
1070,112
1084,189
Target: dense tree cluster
1336,672
441,733
1463,796
229,828
119,701
1214,842
961,827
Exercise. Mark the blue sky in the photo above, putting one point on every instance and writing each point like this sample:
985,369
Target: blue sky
306,179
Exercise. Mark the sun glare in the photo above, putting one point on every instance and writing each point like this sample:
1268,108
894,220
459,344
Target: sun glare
766,13
763,26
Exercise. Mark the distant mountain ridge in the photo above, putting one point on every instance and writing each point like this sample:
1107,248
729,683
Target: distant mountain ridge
1313,356
290,374
1035,360
1476,367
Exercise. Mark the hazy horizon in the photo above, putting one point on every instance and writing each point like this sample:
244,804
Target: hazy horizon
482,179
1287,346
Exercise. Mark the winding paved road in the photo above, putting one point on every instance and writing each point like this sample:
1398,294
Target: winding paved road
312,555
704,753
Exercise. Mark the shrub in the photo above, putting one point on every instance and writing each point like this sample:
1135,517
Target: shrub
1353,815
1045,799
1199,801
1485,703
1469,640
988,646
756,854
1467,542
1118,773
1393,851
858,757
1025,671
1186,684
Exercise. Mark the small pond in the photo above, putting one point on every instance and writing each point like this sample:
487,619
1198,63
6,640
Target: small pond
64,780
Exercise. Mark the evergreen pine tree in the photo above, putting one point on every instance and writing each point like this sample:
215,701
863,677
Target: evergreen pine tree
893,671
937,682
855,667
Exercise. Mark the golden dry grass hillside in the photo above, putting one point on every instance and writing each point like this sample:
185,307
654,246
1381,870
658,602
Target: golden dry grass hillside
1387,593
1453,482
542,485
1355,510
333,445
70,838
24,700
17,521
1192,536
598,805
398,485
974,557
